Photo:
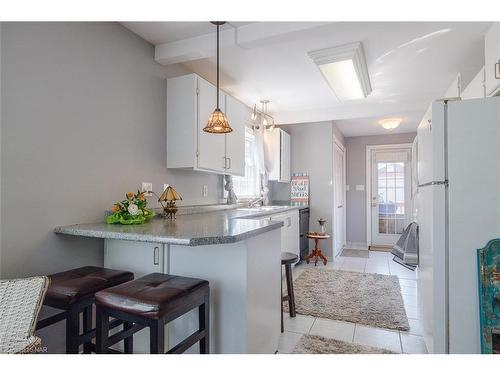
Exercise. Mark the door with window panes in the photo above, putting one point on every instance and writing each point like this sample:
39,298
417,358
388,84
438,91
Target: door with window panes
390,194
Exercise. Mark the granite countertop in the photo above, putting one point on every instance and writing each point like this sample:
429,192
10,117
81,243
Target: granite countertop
213,227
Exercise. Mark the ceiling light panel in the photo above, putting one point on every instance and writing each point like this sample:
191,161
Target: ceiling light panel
344,69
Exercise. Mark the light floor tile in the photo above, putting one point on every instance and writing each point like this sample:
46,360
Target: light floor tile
377,337
415,327
413,344
353,267
401,272
288,341
408,283
376,268
412,312
298,324
409,300
333,329
408,290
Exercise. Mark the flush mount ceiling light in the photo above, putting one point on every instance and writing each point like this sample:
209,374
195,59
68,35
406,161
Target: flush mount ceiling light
390,123
217,122
345,71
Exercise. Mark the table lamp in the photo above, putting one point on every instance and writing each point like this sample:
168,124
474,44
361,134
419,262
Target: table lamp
169,196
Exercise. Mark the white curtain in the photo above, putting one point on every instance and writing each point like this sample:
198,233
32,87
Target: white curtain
263,160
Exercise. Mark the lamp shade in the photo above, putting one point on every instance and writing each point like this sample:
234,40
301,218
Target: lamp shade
217,123
170,194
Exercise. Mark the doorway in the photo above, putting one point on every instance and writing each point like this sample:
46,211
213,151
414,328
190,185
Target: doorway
388,193
339,230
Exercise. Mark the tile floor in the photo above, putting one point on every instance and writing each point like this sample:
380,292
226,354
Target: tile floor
410,342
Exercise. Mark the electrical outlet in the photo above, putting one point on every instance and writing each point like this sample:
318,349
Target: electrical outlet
204,190
147,186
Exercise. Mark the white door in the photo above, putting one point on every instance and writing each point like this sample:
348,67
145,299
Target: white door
338,198
211,147
390,194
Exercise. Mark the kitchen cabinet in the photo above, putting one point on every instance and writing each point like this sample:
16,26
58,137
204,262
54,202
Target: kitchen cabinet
279,150
237,115
122,255
190,101
290,239
492,59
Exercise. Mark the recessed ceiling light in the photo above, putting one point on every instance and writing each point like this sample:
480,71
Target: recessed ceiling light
344,69
390,123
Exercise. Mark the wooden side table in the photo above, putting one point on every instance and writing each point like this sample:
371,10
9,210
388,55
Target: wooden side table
316,253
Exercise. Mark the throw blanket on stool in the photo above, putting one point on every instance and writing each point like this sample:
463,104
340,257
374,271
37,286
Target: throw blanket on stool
406,249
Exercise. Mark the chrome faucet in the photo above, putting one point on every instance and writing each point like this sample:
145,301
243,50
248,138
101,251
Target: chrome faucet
253,203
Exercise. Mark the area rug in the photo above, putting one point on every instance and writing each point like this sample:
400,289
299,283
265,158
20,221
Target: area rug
353,253
312,344
369,299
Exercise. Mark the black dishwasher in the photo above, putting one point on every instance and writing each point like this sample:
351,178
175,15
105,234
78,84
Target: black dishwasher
303,229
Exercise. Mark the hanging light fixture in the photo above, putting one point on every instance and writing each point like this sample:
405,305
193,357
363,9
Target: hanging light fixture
217,122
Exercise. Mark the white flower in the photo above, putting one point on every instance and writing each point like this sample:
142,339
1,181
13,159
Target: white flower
133,209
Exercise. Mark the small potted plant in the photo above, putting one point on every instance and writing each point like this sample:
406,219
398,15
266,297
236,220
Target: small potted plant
131,210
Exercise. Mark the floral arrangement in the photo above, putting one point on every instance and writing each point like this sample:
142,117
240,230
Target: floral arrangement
131,210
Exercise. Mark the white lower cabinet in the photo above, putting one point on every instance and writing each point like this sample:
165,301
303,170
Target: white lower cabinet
290,238
141,258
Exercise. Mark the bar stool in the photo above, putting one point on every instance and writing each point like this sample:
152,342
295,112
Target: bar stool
152,301
287,259
73,291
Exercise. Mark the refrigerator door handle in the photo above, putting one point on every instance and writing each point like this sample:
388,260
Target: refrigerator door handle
434,183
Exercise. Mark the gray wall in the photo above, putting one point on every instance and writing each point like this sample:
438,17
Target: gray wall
356,175
83,122
312,152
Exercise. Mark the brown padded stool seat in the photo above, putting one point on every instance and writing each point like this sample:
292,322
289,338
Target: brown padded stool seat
151,296
70,286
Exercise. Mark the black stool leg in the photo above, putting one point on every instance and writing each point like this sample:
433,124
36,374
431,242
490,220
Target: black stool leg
157,337
72,330
289,287
102,331
128,343
281,303
204,325
87,327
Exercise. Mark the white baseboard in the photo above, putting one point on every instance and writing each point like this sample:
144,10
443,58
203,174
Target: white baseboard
356,246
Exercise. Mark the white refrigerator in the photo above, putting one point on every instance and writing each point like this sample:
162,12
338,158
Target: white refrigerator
458,212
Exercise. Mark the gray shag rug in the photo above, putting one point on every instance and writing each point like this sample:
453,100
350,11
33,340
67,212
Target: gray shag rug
365,298
311,344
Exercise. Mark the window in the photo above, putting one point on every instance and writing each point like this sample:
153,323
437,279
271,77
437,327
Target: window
249,185
391,197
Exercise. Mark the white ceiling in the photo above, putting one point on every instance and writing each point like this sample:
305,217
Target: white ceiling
410,65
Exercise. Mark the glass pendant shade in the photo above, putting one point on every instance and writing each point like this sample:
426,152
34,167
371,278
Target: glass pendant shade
217,123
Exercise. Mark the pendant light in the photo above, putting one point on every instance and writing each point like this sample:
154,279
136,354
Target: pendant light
217,122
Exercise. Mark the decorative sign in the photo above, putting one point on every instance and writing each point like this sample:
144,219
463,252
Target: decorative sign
299,189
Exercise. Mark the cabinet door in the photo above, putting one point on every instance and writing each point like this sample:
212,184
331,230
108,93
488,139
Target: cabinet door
272,149
492,57
285,157
211,147
237,114
140,258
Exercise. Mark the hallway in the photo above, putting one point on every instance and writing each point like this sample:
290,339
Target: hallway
410,342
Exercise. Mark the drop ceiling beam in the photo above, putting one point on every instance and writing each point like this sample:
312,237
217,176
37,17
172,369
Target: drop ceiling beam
246,37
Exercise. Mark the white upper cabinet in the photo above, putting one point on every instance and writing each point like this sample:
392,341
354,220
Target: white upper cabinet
211,147
190,101
237,115
492,58
278,149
